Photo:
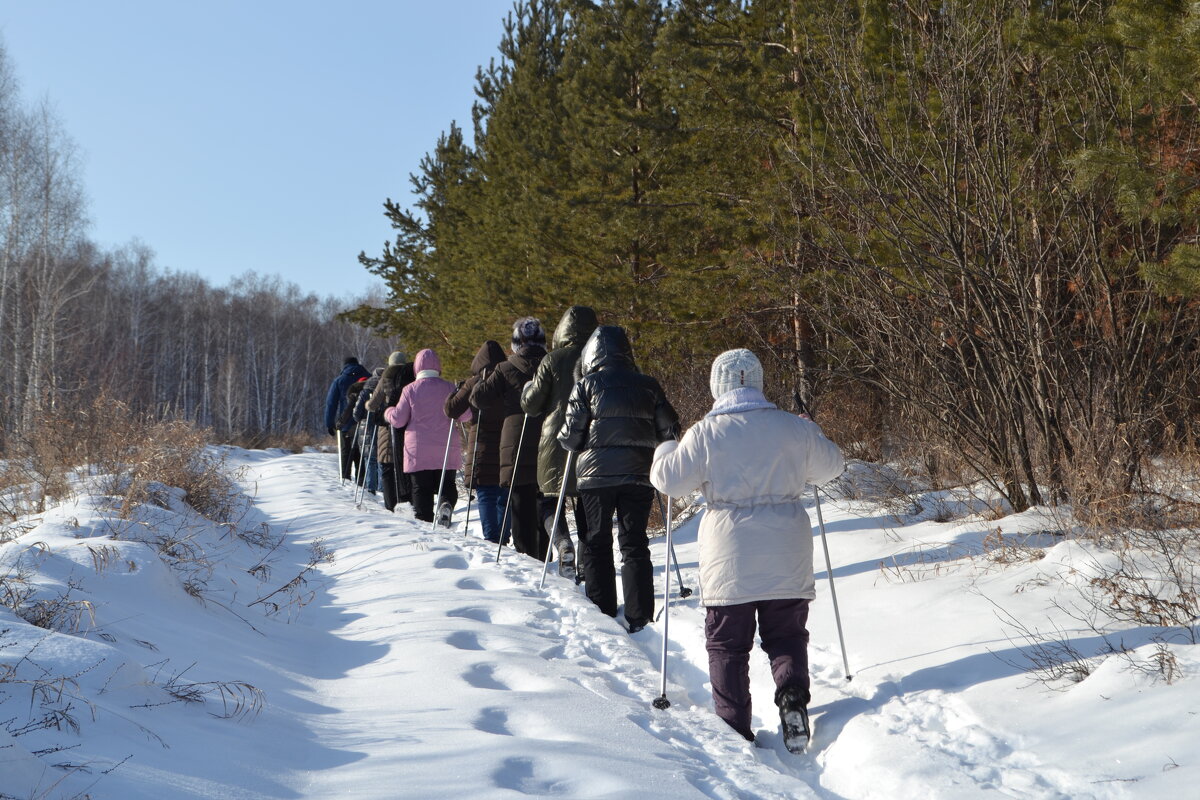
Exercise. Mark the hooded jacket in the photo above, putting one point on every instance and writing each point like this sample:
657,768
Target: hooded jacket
499,395
387,393
616,416
751,461
335,398
551,388
419,412
483,438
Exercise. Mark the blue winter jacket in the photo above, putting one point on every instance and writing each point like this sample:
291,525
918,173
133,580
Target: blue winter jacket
335,401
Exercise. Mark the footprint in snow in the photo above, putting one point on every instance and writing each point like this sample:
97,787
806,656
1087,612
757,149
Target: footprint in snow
493,720
455,561
464,640
518,775
482,676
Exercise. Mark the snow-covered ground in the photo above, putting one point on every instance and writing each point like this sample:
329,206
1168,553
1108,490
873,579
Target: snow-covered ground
412,665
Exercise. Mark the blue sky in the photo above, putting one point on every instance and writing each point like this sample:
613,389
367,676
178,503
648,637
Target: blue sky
253,135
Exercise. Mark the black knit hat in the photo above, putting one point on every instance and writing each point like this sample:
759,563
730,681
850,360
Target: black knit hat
349,360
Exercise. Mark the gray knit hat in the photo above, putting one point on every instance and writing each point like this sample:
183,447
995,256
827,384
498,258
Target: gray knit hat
734,369
528,330
397,358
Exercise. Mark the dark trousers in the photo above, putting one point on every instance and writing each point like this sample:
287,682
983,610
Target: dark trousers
632,505
425,490
347,453
549,505
387,474
403,480
729,634
529,537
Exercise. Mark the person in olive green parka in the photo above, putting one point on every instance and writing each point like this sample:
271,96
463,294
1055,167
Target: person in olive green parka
547,394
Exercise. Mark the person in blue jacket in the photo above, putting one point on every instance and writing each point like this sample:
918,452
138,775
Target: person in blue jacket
335,403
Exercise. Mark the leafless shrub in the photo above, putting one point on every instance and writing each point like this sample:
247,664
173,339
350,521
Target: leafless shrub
923,562
1001,549
238,698
60,612
139,453
1154,581
260,535
15,588
103,556
175,454
292,594
1050,658
1161,665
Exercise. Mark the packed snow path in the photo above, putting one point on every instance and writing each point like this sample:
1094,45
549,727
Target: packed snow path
449,676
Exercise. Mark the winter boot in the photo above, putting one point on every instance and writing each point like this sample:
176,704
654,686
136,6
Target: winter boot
793,714
566,558
443,515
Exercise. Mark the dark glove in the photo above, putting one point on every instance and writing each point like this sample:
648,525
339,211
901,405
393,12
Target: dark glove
332,432
458,385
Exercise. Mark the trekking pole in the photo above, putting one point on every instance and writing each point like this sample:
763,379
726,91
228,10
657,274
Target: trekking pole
360,496
474,454
437,503
661,702
802,409
512,484
683,590
341,458
832,591
558,513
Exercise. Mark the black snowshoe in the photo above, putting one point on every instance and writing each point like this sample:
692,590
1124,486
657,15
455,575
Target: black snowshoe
443,515
793,715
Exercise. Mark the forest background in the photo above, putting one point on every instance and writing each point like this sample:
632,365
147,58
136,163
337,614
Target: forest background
964,232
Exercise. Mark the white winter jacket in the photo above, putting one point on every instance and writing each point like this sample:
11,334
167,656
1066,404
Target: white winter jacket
751,461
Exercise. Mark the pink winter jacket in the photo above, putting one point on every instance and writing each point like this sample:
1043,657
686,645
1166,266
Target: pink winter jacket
420,412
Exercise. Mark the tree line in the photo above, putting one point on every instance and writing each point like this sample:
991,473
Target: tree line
966,230
250,360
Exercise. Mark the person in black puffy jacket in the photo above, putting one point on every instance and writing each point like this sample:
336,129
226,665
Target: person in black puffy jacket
616,417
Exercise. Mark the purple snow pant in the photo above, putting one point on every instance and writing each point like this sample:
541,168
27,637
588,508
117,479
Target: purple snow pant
729,631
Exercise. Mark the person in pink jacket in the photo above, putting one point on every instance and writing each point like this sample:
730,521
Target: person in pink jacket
427,428
752,461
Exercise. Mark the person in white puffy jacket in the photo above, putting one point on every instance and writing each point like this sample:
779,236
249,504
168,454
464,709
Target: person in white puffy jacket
752,462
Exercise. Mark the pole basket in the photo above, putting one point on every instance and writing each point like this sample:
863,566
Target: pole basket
661,702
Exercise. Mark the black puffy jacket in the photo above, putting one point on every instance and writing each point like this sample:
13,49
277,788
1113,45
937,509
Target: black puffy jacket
616,415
